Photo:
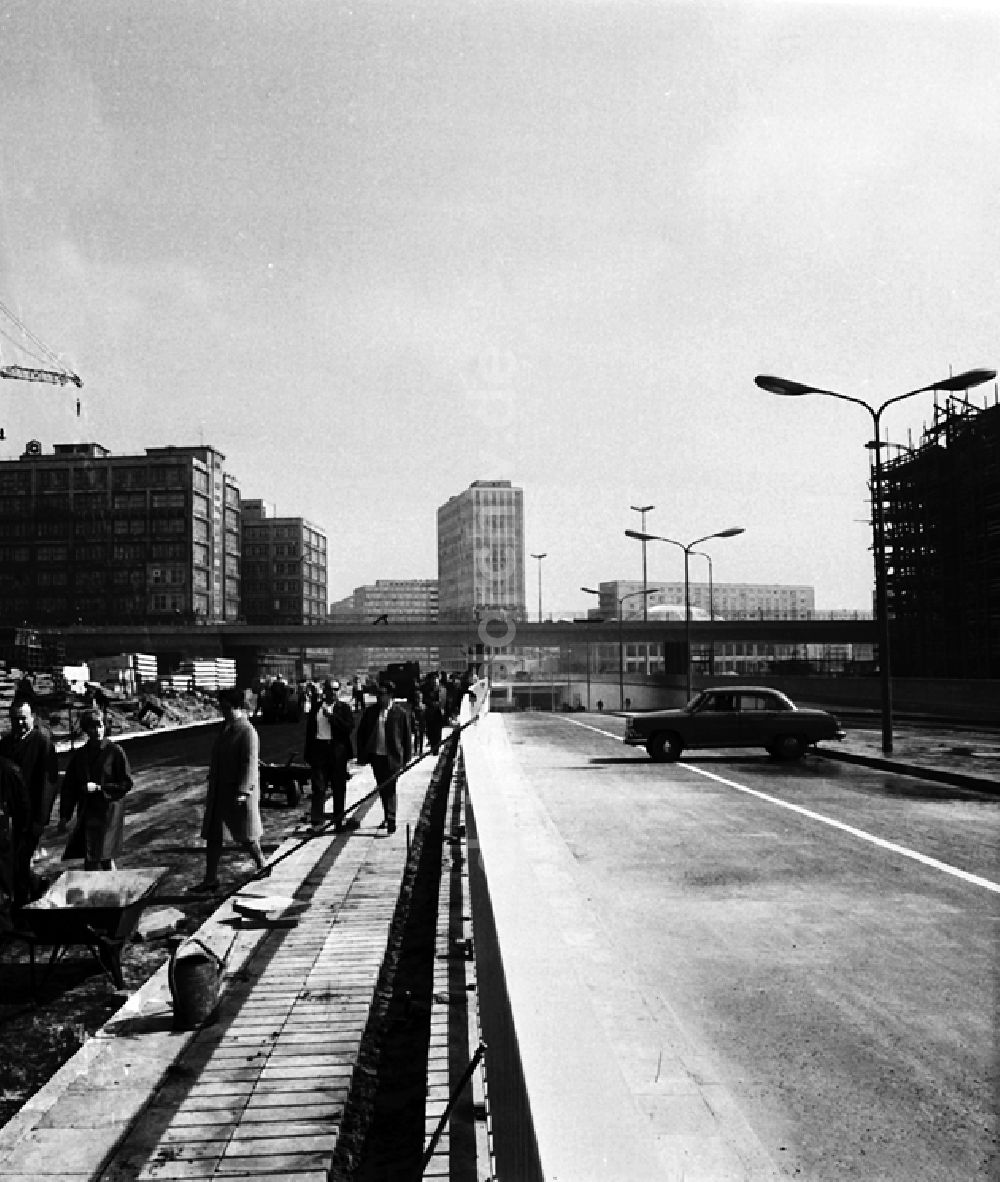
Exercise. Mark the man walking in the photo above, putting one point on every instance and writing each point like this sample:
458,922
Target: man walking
384,742
329,730
233,800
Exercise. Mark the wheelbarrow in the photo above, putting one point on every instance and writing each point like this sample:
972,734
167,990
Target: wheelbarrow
95,908
287,778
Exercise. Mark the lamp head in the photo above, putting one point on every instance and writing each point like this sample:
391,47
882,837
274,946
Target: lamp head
590,590
964,381
784,386
635,533
731,532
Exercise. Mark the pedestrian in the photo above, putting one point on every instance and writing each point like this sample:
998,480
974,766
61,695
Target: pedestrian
233,800
328,748
29,745
384,742
433,717
97,780
16,885
417,720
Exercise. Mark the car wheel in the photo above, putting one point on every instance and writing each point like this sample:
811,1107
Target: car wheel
788,747
664,748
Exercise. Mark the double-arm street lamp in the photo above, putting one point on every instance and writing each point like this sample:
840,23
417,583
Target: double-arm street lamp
688,550
711,609
621,646
962,381
644,509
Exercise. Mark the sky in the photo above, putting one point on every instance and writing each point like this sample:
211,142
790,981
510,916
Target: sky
373,252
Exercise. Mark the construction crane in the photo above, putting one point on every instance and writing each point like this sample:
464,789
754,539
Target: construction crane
49,369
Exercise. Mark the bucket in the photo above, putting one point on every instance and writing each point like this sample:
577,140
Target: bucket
195,978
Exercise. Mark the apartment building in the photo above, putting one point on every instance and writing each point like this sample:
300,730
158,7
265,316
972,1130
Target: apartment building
284,574
89,537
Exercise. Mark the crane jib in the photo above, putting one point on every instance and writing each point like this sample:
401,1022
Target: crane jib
40,375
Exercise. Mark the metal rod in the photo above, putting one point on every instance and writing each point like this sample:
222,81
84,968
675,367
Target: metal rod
452,1101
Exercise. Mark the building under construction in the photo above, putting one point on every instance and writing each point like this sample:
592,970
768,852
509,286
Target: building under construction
941,504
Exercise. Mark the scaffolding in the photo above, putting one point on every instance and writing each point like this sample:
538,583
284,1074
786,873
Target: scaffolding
941,508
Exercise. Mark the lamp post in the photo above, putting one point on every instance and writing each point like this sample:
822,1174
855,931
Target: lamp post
711,611
621,646
538,651
539,557
644,509
688,549
962,381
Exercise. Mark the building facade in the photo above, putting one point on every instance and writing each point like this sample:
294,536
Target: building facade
89,537
284,575
941,506
480,536
397,601
731,601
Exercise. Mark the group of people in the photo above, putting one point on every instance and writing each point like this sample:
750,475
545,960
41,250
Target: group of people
96,780
383,735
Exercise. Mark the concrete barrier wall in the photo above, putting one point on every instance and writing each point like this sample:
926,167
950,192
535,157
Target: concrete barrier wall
558,1103
976,702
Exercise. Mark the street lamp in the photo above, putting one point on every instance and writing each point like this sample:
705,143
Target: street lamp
644,509
621,646
538,651
962,381
688,549
539,557
711,611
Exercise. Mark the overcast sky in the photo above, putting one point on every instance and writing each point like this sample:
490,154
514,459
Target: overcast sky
373,252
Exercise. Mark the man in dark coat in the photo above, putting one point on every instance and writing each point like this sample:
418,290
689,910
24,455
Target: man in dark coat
94,787
15,838
329,735
384,742
30,746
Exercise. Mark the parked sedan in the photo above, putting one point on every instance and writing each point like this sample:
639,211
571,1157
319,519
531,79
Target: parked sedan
732,716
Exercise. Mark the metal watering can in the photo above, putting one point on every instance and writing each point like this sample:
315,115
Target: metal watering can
195,979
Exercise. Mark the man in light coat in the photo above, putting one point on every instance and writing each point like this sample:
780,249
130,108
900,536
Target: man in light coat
233,800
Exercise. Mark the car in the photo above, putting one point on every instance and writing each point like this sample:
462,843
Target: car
732,716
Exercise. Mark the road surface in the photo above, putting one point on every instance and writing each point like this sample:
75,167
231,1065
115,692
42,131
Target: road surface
816,942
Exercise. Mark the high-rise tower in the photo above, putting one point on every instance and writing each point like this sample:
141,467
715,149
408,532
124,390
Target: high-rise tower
481,552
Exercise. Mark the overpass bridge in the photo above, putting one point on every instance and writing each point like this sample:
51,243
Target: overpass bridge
242,641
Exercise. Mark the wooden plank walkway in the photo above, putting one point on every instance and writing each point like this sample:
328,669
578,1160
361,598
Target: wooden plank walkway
262,1091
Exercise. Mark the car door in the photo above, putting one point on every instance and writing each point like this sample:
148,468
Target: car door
716,722
760,719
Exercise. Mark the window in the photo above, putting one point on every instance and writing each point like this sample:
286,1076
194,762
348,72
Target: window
51,553
167,500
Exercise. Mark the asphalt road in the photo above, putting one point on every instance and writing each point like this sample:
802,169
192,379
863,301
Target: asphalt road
823,935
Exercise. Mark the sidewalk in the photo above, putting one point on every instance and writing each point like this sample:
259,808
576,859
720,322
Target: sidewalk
964,759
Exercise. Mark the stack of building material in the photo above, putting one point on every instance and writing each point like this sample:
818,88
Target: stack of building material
207,673
126,672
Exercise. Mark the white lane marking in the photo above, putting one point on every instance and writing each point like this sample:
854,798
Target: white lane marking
881,842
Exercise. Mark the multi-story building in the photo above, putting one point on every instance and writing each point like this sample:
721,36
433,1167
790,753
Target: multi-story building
481,552
89,537
284,574
394,601
732,601
941,505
